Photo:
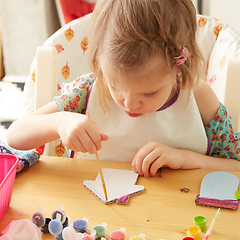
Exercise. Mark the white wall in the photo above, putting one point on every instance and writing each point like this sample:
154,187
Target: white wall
225,10
26,24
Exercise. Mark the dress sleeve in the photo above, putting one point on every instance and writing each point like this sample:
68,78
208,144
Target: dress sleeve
73,98
224,139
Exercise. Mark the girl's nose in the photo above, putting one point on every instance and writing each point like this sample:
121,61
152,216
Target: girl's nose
131,102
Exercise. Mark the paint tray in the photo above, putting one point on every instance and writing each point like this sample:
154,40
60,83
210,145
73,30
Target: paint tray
8,167
217,190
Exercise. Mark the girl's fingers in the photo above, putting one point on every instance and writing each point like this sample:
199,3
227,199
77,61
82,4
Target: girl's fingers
139,158
152,163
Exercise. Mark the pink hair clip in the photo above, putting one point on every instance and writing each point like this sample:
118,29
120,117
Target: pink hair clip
182,58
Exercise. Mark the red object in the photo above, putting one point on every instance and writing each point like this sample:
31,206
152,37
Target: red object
73,9
40,149
8,167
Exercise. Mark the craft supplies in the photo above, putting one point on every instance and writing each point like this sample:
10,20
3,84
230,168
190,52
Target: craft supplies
118,234
100,230
217,190
120,183
55,227
188,238
195,232
123,199
141,236
209,231
80,225
200,222
100,170
40,221
60,211
69,233
91,236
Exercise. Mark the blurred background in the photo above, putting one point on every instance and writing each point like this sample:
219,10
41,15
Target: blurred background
26,24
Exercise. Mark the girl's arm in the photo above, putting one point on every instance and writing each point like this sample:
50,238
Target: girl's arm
154,155
35,129
76,131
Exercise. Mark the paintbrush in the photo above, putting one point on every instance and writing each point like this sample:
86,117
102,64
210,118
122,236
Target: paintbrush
100,169
209,231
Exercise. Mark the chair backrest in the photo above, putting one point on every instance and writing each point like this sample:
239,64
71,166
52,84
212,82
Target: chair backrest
220,46
217,41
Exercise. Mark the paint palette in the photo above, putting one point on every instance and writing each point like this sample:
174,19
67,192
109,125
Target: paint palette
217,190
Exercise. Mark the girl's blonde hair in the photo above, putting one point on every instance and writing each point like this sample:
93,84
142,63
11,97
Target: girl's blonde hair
130,32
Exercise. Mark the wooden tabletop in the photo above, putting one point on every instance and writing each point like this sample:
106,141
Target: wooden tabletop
161,211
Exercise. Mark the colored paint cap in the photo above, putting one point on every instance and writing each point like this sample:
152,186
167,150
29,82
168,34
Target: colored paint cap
55,226
141,236
69,232
91,236
100,230
188,238
80,225
61,212
195,232
38,218
118,234
40,221
200,222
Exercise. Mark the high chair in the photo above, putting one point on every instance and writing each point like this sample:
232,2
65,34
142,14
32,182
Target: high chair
62,58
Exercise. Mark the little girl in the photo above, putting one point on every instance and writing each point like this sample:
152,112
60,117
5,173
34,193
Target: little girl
145,102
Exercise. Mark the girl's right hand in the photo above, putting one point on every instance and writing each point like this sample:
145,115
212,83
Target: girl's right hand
79,133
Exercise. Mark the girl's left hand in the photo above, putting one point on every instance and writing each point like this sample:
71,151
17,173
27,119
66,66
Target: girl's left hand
155,155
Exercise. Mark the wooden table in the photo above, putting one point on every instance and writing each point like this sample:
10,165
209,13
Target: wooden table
161,211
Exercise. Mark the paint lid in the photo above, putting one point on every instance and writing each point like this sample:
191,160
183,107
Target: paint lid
118,234
61,212
55,226
141,236
194,231
100,229
200,222
69,232
80,225
38,218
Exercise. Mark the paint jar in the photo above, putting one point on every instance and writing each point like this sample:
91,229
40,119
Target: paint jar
100,230
118,234
88,237
194,232
60,211
40,221
55,227
200,222
69,232
141,236
188,238
80,225
91,236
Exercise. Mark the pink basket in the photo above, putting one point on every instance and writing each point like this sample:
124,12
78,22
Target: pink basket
8,167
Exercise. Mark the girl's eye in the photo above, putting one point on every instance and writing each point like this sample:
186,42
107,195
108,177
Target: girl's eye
150,94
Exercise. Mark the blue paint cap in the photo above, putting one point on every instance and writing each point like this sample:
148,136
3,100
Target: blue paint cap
55,226
80,225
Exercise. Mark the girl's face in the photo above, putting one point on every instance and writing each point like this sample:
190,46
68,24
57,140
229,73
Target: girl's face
144,91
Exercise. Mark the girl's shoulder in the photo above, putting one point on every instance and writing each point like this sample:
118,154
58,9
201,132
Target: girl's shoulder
82,82
74,94
207,101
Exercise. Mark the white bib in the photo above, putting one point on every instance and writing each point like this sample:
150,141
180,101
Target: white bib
178,126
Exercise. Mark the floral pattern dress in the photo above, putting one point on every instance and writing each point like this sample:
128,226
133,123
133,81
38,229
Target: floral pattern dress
224,139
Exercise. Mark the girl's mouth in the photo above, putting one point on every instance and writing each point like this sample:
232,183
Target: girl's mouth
133,114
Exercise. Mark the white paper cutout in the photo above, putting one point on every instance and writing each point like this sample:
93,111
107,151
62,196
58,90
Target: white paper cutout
219,185
118,183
